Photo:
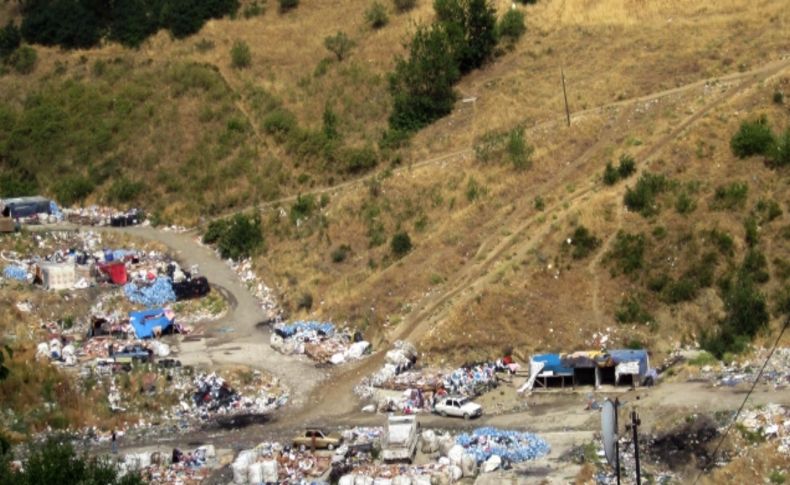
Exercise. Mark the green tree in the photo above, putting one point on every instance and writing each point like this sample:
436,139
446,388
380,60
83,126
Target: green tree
471,28
23,59
400,244
183,17
422,85
240,55
133,21
780,156
376,15
511,25
69,23
339,45
10,38
753,138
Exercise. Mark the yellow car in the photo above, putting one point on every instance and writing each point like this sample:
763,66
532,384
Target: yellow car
316,438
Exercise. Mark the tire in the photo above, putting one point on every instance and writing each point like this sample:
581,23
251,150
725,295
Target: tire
466,416
442,414
330,447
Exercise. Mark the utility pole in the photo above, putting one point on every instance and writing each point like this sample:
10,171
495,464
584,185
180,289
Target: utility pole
635,422
617,438
565,95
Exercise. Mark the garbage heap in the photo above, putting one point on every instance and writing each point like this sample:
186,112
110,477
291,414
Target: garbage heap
103,216
493,447
171,469
776,374
320,341
265,295
772,422
213,396
273,463
151,294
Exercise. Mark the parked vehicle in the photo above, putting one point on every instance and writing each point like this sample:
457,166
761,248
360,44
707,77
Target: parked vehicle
133,353
460,407
316,438
399,442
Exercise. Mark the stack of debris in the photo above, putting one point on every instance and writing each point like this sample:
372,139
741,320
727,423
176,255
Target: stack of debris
771,422
273,463
508,446
265,295
319,341
776,374
175,468
213,396
103,216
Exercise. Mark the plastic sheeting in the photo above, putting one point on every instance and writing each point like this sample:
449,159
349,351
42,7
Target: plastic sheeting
512,446
13,272
159,293
290,329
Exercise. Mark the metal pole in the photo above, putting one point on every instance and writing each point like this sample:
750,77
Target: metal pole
635,422
565,95
616,439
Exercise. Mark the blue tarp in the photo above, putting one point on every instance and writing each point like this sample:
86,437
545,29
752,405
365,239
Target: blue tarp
511,446
290,329
629,355
156,294
15,273
145,321
552,363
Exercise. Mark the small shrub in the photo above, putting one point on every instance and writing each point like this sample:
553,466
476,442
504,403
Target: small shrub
286,5
583,242
768,210
723,242
657,283
518,150
339,45
404,5
631,311
376,15
780,155
755,266
400,243
539,203
753,138
628,252
511,26
627,166
254,9
340,253
730,197
474,190
610,174
204,45
279,123
752,233
685,204
778,97
356,160
777,477
684,289
747,314
702,359
124,190
305,301
72,189
642,198
302,208
330,123
240,55
24,59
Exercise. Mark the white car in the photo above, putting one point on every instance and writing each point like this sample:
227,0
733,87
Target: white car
460,407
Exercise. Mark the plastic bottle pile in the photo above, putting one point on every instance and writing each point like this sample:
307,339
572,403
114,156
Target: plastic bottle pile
512,446
468,381
13,272
155,294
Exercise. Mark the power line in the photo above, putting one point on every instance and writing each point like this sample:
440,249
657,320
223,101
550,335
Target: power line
754,384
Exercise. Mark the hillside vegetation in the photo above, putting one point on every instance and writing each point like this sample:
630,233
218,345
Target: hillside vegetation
487,191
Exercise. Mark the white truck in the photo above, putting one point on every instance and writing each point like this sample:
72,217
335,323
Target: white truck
399,442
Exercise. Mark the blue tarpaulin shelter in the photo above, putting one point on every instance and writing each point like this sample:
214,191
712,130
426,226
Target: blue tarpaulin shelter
552,363
25,206
146,321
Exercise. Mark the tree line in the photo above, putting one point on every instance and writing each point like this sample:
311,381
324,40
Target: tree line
74,24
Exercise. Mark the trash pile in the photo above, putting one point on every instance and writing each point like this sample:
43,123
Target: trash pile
213,396
273,463
509,446
156,293
777,372
18,273
771,422
103,216
176,468
403,474
265,295
319,341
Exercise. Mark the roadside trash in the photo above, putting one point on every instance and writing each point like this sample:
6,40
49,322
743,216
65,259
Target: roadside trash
771,422
320,341
274,463
213,396
17,273
510,446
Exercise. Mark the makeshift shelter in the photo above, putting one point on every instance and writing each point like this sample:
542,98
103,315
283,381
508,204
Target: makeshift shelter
19,207
56,276
116,271
152,323
589,367
631,362
548,370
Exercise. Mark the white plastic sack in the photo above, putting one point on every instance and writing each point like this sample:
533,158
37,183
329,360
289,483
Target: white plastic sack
42,350
145,459
270,471
357,349
160,349
382,481
370,408
455,454
363,480
255,474
492,464
396,357
209,451
276,341
468,465
422,480
430,444
240,473
445,443
401,480
245,458
455,473
337,358
346,480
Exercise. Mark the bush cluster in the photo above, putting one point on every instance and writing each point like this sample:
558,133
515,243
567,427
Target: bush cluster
642,198
756,138
240,55
631,311
508,145
404,5
730,197
237,237
627,167
376,15
83,23
511,26
583,242
628,252
400,244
